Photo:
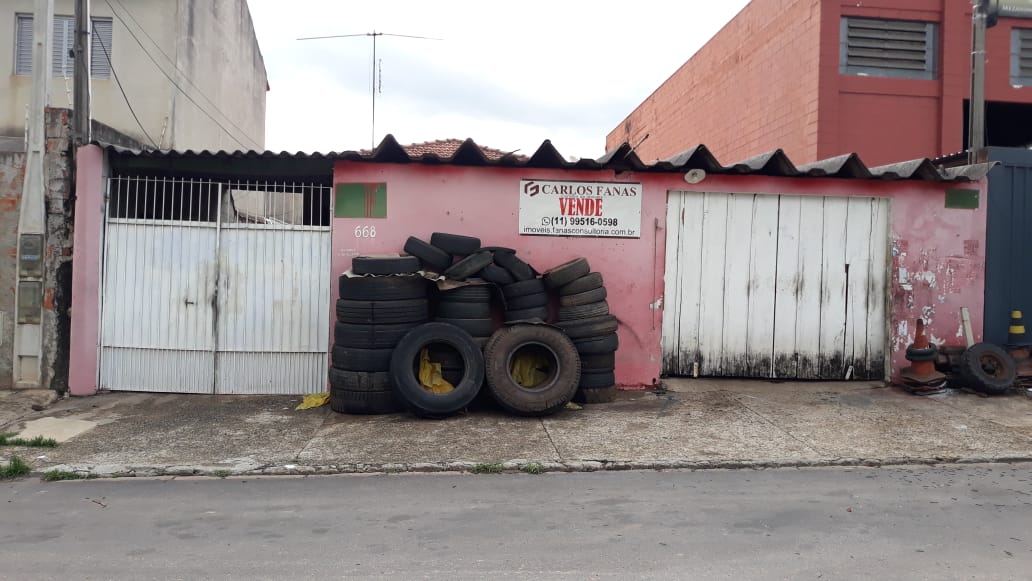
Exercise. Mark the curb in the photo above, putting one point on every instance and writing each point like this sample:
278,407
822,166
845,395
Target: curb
509,467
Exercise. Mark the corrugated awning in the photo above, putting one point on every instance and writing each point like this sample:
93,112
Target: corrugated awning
775,163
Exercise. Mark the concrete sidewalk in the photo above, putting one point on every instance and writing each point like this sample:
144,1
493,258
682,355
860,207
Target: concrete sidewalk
695,424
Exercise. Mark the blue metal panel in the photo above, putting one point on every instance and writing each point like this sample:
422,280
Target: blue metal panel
1008,276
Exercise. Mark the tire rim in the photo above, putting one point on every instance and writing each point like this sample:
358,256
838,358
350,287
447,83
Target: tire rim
552,373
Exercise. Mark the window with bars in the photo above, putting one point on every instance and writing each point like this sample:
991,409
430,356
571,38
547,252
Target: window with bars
888,48
1021,57
62,43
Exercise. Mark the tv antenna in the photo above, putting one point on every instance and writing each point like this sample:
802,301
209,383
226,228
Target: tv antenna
376,68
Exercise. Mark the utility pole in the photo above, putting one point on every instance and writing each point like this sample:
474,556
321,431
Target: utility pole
82,98
28,342
976,108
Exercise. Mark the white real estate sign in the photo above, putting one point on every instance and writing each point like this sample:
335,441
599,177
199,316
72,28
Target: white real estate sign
595,209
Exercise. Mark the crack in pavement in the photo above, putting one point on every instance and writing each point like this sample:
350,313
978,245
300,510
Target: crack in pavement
558,454
297,457
809,445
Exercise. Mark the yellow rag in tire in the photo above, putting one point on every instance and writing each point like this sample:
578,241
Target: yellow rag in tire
430,375
527,369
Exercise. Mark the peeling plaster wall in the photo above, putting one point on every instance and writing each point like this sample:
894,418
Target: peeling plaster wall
937,262
938,266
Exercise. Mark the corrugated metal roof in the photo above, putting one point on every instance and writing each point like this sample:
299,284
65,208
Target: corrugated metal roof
775,163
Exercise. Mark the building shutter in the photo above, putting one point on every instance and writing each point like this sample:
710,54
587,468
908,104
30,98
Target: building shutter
1021,56
61,64
23,45
100,49
888,48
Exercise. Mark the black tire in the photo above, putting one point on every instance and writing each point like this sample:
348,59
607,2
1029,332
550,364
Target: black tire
382,288
600,395
580,312
468,266
364,402
496,274
450,310
359,380
598,345
474,293
597,379
988,368
592,327
590,281
498,249
517,268
368,312
598,361
527,314
584,298
407,385
475,327
562,374
432,257
355,359
523,288
481,342
527,302
566,273
383,265
454,243
370,336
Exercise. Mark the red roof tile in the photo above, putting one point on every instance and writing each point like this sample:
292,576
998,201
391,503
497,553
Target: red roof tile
445,148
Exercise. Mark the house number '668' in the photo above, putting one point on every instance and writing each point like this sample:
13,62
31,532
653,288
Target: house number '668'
365,231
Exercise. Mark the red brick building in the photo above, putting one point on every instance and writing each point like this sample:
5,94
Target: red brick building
888,79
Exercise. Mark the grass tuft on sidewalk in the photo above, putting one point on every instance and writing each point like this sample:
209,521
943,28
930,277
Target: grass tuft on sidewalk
15,468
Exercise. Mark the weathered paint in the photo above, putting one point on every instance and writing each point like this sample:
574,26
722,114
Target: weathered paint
89,239
795,299
924,237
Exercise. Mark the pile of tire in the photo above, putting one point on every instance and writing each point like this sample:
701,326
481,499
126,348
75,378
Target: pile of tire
468,308
584,316
523,293
381,301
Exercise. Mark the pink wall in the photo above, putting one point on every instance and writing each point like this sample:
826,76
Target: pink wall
86,270
937,264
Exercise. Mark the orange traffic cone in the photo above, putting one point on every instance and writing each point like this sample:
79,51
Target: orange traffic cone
922,375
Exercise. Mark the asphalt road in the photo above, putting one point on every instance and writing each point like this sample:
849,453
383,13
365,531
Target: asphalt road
897,523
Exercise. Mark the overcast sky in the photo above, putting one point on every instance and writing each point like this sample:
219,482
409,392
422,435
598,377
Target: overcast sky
509,75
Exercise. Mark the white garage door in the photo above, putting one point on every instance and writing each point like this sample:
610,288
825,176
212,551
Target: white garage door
212,287
770,286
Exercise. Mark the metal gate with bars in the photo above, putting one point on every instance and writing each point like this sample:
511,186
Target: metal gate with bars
770,286
215,287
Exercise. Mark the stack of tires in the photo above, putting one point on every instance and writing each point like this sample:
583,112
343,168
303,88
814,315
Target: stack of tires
526,300
373,314
468,308
584,317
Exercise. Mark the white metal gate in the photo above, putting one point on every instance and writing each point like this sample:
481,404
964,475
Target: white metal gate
213,287
772,286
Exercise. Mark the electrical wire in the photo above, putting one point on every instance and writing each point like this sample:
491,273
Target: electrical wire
171,80
181,71
114,74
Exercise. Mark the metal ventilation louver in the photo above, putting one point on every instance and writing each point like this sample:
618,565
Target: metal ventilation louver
1021,56
888,48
